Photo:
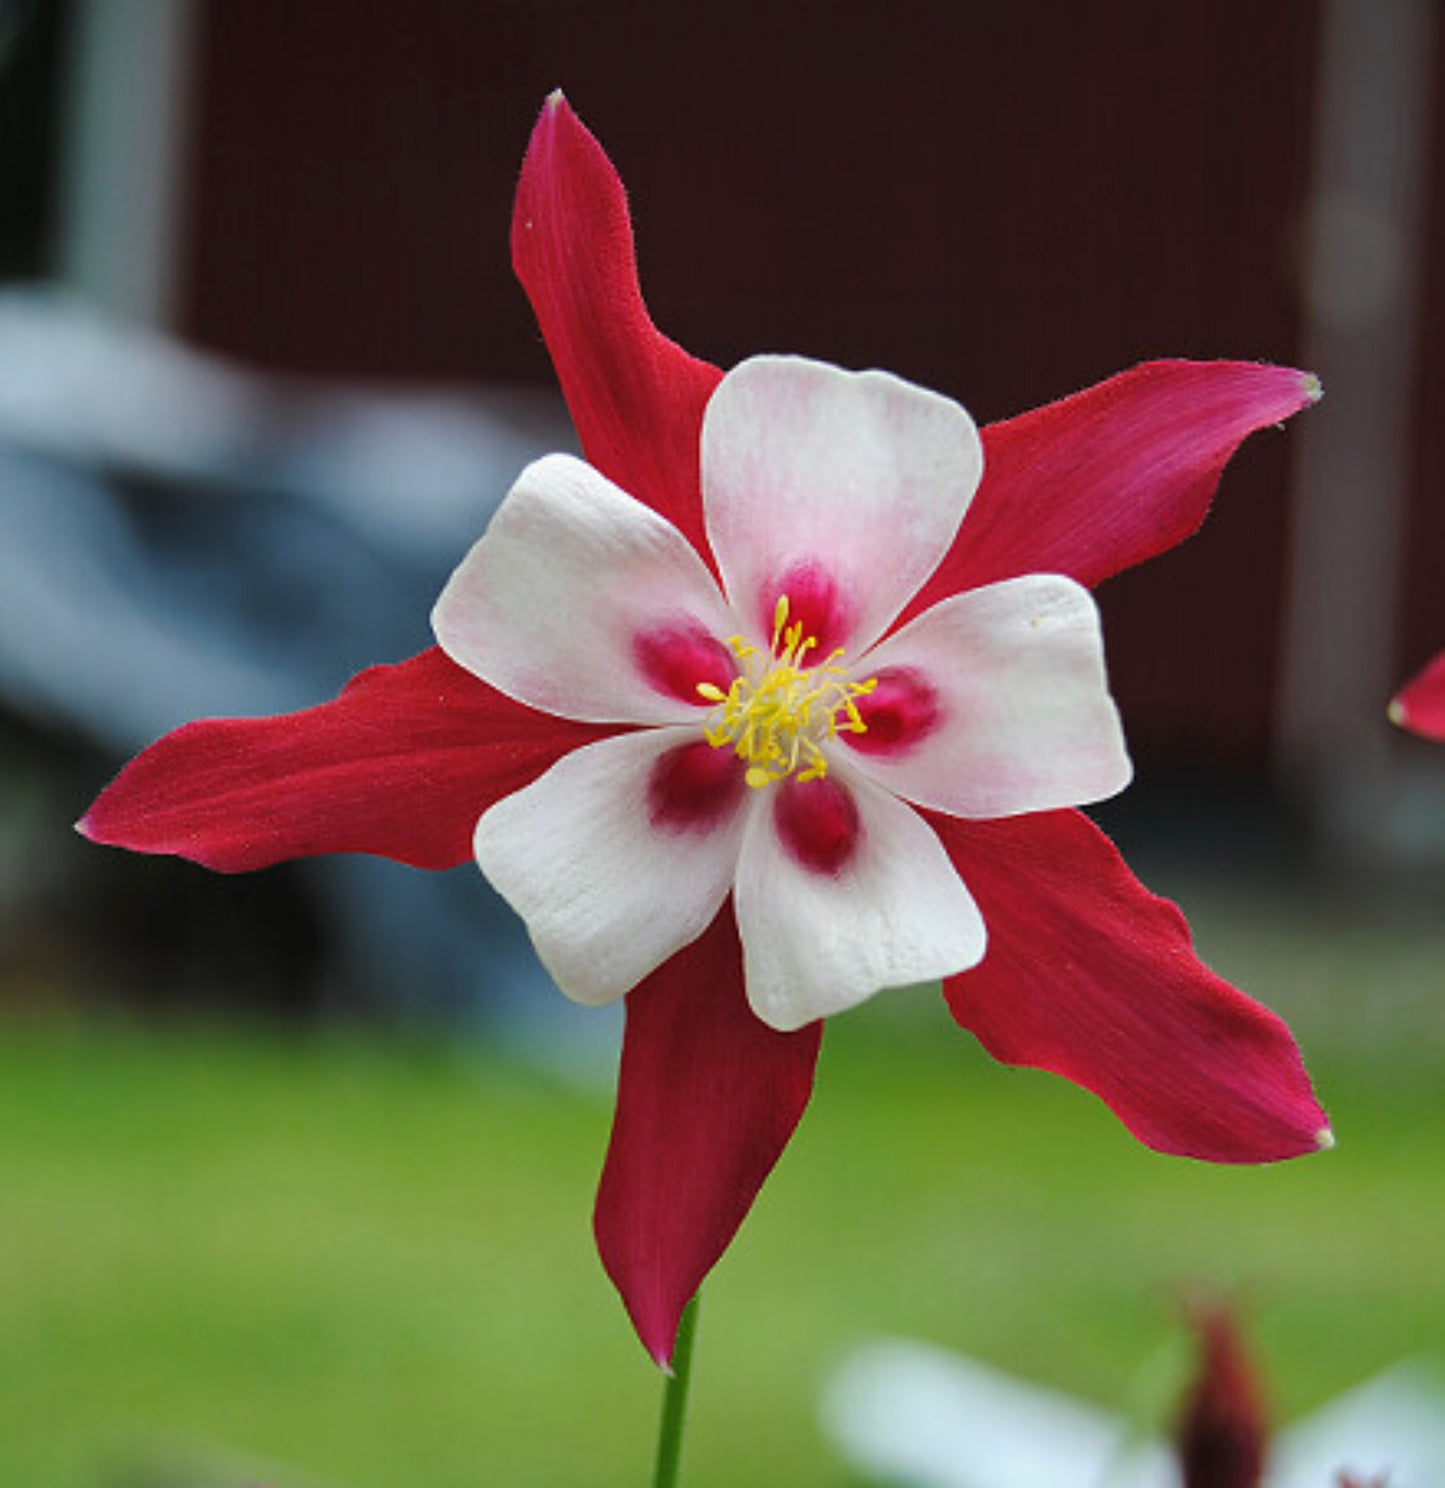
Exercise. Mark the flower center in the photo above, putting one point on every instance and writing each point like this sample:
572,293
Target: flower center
780,709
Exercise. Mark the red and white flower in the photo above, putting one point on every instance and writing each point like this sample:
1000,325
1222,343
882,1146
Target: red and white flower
779,699
780,736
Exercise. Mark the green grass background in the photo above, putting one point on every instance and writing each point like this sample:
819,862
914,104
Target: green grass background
349,1260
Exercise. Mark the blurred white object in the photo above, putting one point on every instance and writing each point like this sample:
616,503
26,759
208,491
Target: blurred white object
1391,1428
180,538
907,1413
80,384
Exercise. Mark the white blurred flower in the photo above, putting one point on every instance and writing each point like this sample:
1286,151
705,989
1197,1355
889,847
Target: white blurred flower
912,1414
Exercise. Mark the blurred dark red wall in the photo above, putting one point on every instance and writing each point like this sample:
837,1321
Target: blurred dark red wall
1005,202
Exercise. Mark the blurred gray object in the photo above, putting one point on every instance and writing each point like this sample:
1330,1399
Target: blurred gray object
179,539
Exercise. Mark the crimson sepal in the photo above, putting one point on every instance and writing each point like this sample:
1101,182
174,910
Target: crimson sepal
636,397
1092,977
401,764
708,1097
1420,706
1103,479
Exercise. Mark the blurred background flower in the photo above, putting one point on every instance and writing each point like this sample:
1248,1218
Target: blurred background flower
907,1413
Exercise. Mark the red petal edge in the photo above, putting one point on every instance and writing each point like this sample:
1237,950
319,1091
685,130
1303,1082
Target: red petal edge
1420,706
1102,480
1092,977
401,764
708,1097
636,397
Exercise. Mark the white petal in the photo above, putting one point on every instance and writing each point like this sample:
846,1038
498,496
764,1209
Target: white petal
909,1412
607,895
815,943
1393,1425
859,474
1025,720
548,606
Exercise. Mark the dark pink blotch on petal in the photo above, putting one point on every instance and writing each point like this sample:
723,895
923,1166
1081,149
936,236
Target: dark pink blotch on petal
817,821
1091,976
708,1097
815,602
1118,473
695,787
401,764
636,398
675,658
898,715
1420,706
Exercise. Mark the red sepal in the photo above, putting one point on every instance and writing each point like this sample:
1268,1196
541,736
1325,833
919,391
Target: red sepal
708,1097
1112,475
636,398
401,764
1420,706
1092,977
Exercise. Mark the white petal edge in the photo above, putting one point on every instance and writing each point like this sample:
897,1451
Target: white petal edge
858,473
909,1412
1027,722
815,943
548,603
606,896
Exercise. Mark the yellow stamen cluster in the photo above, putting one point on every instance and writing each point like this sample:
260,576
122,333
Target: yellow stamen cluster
779,712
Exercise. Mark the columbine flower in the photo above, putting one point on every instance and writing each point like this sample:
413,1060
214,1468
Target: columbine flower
1420,705
771,704
780,739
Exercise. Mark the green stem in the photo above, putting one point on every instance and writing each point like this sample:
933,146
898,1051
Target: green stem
674,1402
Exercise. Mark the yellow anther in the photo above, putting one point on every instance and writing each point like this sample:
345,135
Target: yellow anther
780,618
779,712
